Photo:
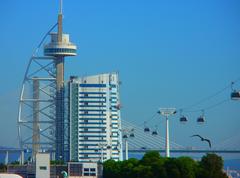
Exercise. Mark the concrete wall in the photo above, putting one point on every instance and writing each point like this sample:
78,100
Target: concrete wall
42,165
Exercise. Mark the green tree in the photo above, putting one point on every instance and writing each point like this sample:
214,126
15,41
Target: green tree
127,167
211,166
112,169
142,171
171,166
57,162
3,167
150,157
15,163
156,162
187,167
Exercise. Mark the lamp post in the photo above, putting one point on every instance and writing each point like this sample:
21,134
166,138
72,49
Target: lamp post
167,112
126,134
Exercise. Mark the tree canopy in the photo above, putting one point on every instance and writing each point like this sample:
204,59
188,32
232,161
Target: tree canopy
152,165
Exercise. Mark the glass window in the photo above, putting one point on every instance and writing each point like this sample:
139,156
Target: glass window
92,169
86,169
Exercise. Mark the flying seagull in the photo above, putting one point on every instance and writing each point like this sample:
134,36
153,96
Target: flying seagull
203,139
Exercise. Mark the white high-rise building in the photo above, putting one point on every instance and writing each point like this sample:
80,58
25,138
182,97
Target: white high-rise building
94,115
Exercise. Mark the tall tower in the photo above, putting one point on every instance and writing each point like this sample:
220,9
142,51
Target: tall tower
41,119
60,47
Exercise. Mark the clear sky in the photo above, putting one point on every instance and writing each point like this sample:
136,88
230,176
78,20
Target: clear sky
169,53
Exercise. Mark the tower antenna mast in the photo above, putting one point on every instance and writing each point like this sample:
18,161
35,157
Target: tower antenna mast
61,7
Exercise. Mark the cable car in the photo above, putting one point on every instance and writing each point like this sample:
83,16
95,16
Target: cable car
154,133
201,120
146,129
183,119
132,135
235,95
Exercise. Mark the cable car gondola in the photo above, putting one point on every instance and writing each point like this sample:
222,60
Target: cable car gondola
154,133
132,135
235,95
183,119
146,129
201,120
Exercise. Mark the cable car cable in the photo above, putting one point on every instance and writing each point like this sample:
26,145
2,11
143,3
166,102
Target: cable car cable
212,96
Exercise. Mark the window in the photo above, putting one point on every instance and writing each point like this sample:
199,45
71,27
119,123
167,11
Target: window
85,156
89,172
86,169
43,168
92,169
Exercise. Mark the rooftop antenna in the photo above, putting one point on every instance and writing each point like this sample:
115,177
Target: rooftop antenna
61,3
60,23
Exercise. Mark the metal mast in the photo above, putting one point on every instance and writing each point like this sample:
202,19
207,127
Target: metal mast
59,62
60,47
41,117
167,112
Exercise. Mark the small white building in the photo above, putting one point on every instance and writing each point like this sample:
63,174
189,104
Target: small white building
42,165
84,170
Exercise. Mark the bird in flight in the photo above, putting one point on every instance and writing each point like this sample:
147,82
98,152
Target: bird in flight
203,139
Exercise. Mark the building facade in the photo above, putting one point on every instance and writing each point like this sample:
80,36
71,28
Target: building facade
94,116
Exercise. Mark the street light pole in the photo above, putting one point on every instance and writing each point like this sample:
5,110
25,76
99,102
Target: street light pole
126,148
167,112
167,138
127,133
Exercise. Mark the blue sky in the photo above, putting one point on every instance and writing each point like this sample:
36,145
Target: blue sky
169,53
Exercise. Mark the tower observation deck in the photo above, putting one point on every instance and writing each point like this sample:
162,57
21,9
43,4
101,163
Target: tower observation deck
60,47
42,96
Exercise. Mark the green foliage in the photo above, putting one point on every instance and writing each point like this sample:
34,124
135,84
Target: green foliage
142,171
15,163
211,166
3,167
57,162
150,157
152,165
187,167
172,169
112,169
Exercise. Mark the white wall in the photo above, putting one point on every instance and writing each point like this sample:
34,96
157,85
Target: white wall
43,165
